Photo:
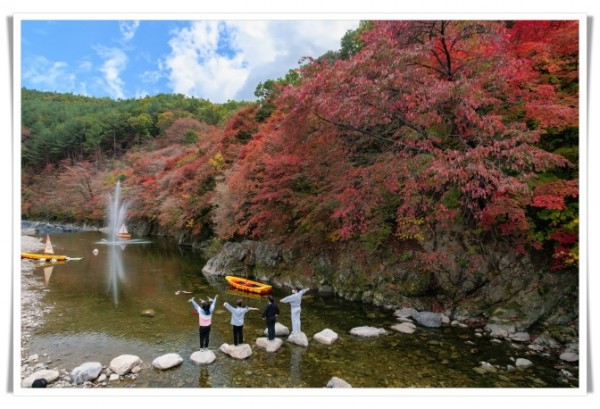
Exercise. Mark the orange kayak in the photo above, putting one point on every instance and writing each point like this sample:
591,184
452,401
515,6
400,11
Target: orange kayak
248,285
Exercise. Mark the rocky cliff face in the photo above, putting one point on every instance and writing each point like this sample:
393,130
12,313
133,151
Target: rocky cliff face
508,292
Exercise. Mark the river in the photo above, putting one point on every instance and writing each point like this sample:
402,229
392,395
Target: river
96,315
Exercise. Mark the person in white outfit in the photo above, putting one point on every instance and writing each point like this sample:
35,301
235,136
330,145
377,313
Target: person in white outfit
237,320
295,299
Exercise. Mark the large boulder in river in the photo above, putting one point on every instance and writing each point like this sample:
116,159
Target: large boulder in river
88,371
326,336
123,364
368,331
167,361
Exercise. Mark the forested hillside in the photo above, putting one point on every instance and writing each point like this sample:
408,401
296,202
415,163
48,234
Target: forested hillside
412,131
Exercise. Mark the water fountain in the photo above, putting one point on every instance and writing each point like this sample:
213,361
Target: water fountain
116,215
117,212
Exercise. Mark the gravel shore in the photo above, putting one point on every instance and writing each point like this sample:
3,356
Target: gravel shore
32,309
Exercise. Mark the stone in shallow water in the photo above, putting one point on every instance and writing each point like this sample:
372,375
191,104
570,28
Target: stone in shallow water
49,375
405,327
148,313
203,357
405,312
523,363
167,361
269,346
298,339
428,319
520,337
368,331
123,364
336,382
242,351
327,336
280,330
569,356
86,372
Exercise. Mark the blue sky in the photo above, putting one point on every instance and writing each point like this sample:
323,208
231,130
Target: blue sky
216,60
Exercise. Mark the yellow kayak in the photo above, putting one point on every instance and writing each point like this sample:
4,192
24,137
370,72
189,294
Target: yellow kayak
43,256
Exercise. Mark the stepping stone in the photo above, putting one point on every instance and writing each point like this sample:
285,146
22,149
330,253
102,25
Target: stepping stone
203,357
269,346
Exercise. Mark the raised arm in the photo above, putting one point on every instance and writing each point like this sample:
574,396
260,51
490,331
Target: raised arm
229,307
196,306
212,305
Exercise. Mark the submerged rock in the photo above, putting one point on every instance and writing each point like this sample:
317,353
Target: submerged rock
148,313
167,361
368,331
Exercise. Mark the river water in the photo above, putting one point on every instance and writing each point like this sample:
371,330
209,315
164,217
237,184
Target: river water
96,315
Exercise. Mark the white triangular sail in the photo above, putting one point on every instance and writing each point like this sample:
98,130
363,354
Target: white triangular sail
48,249
123,230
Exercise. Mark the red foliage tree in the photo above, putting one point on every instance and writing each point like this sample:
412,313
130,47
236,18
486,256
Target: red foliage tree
427,124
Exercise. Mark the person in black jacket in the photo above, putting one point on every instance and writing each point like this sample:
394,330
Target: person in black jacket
270,315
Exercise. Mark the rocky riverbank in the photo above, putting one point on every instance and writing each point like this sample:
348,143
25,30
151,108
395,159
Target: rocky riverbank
510,304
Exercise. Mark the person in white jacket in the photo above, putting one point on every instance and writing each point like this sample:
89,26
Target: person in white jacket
237,320
295,300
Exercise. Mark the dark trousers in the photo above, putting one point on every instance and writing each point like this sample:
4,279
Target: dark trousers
204,333
238,334
271,328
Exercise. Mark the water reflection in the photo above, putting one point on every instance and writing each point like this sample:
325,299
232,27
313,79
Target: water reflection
204,378
295,361
116,270
116,215
48,268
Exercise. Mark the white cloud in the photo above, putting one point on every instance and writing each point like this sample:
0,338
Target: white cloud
45,74
227,60
128,29
151,77
197,66
115,62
